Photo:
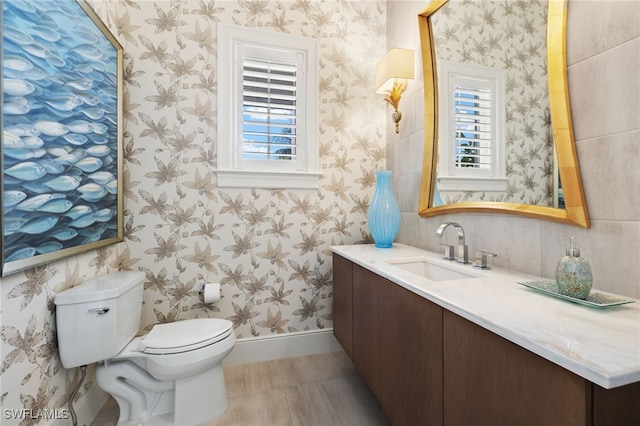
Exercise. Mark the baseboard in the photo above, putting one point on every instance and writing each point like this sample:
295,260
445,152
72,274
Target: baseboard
255,349
86,408
267,348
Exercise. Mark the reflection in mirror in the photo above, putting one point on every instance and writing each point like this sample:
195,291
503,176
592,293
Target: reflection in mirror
493,98
496,99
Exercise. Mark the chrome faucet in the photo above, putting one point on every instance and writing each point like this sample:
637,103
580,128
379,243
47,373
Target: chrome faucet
463,250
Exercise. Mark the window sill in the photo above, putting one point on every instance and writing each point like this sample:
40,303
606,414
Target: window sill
447,183
267,179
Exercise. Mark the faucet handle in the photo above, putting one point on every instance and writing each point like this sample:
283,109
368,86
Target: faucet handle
482,259
449,252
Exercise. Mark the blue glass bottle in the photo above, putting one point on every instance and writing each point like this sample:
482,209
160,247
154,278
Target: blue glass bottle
384,213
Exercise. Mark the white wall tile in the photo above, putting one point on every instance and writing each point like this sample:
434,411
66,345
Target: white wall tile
605,92
597,26
611,180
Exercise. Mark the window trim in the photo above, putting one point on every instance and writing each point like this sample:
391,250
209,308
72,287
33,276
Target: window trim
448,180
232,172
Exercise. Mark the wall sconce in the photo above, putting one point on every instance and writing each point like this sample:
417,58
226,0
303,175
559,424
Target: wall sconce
392,74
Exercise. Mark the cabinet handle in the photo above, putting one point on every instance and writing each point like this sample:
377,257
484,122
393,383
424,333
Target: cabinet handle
99,311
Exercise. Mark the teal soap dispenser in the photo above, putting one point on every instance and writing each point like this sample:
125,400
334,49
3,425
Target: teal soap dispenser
573,274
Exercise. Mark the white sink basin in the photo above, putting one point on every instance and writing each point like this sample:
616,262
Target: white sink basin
431,271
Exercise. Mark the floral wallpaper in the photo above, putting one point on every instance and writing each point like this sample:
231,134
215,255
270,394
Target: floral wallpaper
269,249
509,35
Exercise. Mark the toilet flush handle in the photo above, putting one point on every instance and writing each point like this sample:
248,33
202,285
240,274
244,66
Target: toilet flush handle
99,311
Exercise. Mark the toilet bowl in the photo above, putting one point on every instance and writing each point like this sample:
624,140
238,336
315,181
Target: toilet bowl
183,360
173,375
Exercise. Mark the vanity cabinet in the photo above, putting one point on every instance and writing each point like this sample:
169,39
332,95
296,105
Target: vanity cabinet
429,366
397,348
489,380
394,338
342,303
617,406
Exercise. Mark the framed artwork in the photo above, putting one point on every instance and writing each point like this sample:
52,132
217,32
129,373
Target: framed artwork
61,133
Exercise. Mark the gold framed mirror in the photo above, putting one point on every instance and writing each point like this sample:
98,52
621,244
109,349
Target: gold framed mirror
575,209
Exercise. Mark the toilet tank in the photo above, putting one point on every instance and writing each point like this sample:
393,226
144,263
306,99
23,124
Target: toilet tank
95,320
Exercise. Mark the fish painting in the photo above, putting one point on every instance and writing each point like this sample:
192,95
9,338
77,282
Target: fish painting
80,126
25,154
60,132
11,225
39,225
11,140
92,191
16,87
21,253
89,164
76,139
51,166
59,205
64,234
98,150
16,63
63,183
19,130
102,177
48,247
11,198
33,203
51,128
83,221
26,171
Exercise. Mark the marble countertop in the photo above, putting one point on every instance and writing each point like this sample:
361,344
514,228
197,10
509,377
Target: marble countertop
601,345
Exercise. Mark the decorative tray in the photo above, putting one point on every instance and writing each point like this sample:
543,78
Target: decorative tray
595,299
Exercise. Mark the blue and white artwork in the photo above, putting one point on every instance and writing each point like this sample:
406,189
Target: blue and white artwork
60,133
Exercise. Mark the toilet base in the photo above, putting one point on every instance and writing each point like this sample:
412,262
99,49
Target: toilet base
200,398
159,420
144,400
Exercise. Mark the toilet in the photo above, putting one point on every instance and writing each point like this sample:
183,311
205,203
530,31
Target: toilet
172,375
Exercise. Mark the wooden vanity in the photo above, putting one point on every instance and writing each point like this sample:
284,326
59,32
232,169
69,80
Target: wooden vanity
428,365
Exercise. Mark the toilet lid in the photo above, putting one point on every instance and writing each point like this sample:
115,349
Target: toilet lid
184,336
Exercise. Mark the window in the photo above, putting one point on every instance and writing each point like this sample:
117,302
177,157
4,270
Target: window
267,110
471,130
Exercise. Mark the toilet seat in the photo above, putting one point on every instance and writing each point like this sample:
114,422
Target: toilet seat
184,336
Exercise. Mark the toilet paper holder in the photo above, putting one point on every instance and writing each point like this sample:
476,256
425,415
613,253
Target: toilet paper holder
209,292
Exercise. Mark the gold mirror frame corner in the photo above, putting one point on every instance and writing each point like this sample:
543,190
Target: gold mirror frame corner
575,212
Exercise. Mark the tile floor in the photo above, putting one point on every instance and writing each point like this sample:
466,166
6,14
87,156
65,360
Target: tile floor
320,389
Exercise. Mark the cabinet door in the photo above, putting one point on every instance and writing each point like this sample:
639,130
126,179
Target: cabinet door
342,302
491,381
617,406
397,347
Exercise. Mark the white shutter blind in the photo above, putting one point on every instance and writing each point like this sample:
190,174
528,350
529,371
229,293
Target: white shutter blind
473,124
269,110
471,148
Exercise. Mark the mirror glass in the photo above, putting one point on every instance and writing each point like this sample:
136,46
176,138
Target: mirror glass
498,133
